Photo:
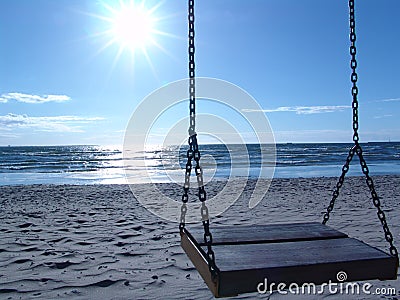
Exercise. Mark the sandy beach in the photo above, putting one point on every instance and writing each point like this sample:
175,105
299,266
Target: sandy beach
98,242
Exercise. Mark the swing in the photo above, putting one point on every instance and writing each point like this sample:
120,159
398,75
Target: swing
235,260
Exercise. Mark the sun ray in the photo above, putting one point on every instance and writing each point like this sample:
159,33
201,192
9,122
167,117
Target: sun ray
156,44
155,7
105,46
148,59
131,27
116,59
163,33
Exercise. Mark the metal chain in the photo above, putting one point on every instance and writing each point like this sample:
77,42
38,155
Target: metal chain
192,83
357,148
208,241
183,216
377,204
194,153
339,184
354,76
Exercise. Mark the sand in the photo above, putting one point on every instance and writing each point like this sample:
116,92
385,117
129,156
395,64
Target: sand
98,242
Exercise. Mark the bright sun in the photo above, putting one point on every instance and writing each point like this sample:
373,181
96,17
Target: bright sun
132,27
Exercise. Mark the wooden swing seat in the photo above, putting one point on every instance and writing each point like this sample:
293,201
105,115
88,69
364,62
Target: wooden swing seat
284,253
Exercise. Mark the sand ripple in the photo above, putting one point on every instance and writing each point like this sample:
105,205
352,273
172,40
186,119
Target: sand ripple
97,242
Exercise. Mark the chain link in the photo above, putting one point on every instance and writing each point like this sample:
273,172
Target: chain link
208,241
377,204
183,216
357,148
193,153
192,82
339,184
354,75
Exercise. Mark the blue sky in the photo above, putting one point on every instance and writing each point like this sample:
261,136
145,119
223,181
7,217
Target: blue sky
63,82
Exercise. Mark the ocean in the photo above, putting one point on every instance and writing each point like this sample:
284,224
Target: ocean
88,164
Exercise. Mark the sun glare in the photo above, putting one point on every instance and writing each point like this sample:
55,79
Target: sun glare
132,27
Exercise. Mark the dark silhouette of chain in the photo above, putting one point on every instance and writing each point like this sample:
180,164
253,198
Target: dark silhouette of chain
356,149
193,153
339,184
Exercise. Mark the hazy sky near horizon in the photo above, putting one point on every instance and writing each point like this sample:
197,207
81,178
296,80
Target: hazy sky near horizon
66,77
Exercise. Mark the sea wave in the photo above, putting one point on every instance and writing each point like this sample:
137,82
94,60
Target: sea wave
88,164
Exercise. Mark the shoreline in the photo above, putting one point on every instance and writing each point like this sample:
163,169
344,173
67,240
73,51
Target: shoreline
17,179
